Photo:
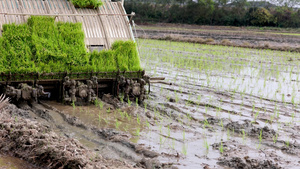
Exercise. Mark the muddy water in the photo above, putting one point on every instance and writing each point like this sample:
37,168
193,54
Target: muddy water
225,112
89,138
8,162
106,117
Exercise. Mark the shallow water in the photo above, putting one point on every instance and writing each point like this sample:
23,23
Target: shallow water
9,162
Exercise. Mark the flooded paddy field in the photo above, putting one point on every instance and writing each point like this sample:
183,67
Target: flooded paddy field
227,106
219,107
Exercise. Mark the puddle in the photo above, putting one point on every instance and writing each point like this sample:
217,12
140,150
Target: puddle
89,138
8,162
106,117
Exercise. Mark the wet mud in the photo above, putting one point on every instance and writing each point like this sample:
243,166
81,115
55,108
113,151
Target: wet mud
221,119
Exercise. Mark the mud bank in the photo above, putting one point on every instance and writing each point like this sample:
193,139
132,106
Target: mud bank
246,39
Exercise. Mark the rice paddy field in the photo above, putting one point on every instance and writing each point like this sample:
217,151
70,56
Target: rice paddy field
227,106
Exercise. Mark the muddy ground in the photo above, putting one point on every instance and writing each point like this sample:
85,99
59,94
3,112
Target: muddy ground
234,36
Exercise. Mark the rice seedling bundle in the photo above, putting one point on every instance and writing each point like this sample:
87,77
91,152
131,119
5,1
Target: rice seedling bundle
87,3
43,45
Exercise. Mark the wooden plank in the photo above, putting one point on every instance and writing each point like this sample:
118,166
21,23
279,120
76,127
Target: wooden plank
6,9
89,23
128,25
119,24
125,23
105,33
94,23
112,22
96,27
62,10
12,10
23,8
106,22
122,23
99,29
85,28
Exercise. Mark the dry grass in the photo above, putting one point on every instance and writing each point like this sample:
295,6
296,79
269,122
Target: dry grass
226,42
209,40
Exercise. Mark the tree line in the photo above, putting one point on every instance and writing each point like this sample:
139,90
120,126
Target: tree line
277,13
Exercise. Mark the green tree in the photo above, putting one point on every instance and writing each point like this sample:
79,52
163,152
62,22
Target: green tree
260,17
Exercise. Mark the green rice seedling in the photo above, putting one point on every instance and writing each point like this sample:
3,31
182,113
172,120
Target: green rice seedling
169,131
101,104
244,135
228,134
137,132
173,143
147,124
260,139
138,120
221,124
108,110
129,102
137,102
189,117
117,124
184,149
206,123
127,116
206,145
287,143
275,138
221,148
145,106
176,97
293,116
87,3
74,107
293,100
127,56
256,115
105,120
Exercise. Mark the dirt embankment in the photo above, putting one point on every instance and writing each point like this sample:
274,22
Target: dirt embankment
228,37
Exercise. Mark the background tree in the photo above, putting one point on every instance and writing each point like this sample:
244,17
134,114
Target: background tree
260,17
217,12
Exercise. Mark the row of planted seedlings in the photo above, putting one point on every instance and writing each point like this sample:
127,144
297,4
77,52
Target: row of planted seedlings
200,65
